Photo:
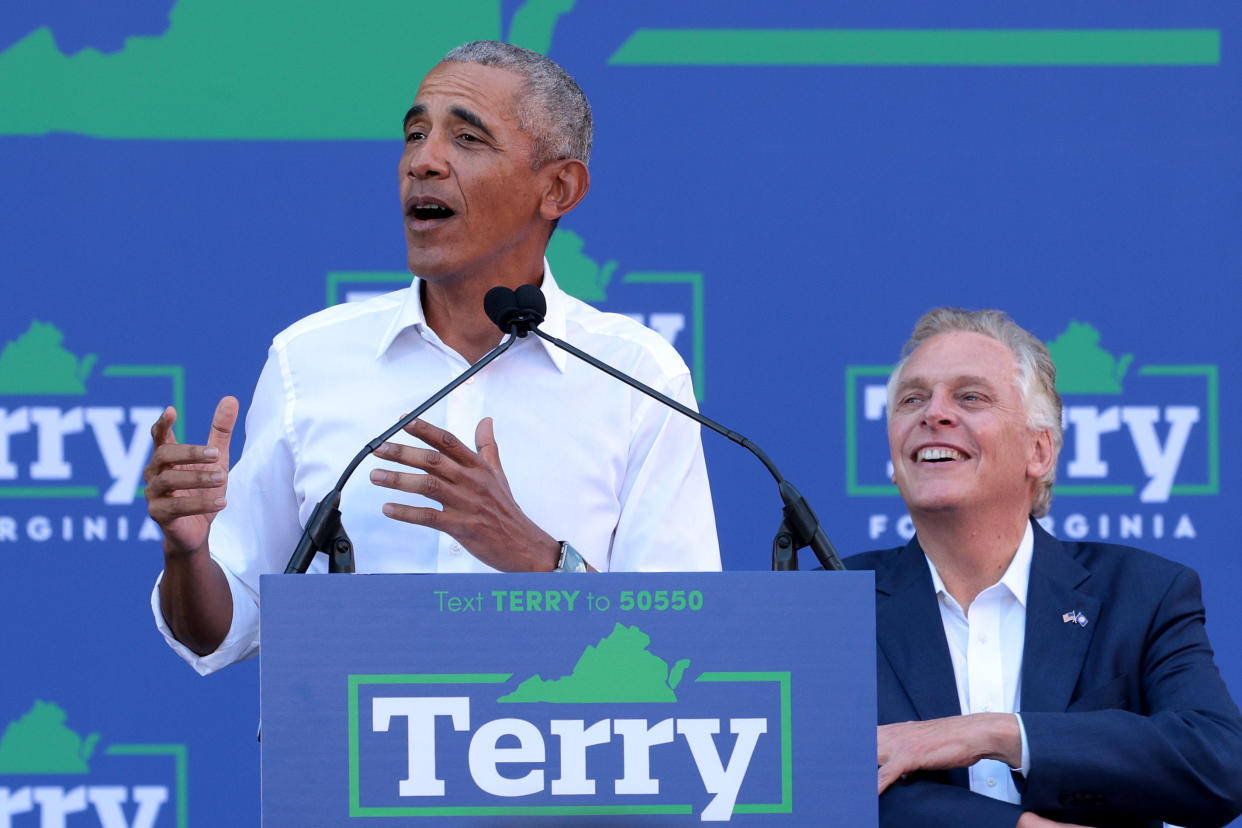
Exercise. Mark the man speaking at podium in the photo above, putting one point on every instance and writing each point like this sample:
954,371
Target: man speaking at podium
1024,680
595,476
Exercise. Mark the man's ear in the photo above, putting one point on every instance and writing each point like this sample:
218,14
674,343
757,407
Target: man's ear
1042,456
567,181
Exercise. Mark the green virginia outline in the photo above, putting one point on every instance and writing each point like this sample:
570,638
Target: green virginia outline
617,669
232,69
37,363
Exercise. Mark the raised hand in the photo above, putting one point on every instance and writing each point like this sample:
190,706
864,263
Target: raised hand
186,483
478,508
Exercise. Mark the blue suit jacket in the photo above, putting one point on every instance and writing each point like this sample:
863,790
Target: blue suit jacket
1127,719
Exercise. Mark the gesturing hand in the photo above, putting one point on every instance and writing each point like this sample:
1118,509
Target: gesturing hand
186,483
478,508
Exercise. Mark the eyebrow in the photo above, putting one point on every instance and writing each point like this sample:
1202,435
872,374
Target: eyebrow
472,119
458,112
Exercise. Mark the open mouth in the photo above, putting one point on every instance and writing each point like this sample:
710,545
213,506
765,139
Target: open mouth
938,454
428,210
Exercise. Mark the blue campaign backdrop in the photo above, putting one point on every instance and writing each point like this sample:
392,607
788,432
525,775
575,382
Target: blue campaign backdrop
779,188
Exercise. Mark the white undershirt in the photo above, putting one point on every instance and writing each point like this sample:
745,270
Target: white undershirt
985,644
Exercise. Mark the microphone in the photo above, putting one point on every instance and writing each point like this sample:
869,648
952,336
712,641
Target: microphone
324,531
799,527
504,308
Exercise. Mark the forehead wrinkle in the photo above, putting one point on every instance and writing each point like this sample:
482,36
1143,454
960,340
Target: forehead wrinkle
956,382
972,379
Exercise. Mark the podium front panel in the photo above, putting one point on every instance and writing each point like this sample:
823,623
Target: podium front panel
562,699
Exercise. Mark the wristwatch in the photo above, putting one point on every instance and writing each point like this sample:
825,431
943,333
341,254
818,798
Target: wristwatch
570,560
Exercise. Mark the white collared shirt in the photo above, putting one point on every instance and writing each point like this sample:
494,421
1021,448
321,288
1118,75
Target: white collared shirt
985,644
588,459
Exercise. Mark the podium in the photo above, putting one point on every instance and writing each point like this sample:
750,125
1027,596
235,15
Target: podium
569,699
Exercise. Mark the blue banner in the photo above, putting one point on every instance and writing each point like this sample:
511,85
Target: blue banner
780,189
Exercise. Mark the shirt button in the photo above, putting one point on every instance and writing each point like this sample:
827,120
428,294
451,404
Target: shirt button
456,548
987,708
983,639
470,381
991,781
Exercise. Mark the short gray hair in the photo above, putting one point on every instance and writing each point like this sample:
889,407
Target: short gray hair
554,111
1036,374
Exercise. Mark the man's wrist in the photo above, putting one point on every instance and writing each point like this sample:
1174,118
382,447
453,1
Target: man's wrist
568,559
175,554
1005,738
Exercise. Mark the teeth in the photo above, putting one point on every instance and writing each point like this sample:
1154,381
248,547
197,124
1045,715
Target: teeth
939,453
426,211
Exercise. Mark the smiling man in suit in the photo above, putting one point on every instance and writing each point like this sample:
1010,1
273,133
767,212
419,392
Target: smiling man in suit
1023,680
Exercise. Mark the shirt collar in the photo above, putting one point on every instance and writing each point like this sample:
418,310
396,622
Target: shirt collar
554,322
1016,578
410,315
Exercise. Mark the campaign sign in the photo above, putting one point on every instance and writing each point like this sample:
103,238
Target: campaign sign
647,699
50,775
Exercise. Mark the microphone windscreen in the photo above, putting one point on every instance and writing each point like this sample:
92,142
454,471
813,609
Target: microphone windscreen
530,297
498,303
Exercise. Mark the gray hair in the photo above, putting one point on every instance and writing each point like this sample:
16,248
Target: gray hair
1036,375
554,111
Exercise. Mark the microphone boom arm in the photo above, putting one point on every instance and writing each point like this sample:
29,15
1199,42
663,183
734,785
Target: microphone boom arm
324,532
800,525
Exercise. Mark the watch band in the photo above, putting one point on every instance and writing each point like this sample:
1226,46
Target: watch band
570,560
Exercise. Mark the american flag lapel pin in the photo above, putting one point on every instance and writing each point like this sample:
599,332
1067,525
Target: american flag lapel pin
1074,617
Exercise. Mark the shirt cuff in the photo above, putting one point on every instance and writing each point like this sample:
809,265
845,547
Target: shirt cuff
242,641
1026,751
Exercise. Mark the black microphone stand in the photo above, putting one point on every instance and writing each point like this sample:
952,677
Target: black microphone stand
799,527
324,531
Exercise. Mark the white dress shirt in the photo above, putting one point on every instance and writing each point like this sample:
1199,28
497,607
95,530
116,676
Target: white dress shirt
985,644
588,459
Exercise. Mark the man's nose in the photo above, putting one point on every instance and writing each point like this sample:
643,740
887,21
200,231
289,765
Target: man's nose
427,159
940,409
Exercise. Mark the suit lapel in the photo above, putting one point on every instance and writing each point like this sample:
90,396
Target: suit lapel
1056,636
910,634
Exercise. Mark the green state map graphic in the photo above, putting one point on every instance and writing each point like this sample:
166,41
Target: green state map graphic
39,742
277,70
324,70
1083,367
619,668
36,363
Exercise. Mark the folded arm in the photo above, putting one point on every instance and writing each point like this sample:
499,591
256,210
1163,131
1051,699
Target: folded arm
1179,759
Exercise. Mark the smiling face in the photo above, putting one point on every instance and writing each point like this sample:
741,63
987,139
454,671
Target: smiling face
958,432
474,205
